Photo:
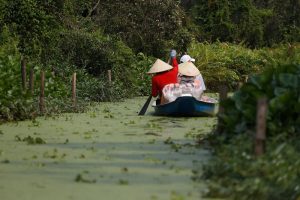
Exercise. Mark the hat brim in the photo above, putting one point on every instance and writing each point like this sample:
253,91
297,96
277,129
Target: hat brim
159,66
188,69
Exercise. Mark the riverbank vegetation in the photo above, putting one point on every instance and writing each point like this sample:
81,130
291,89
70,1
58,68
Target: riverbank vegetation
232,41
91,37
236,172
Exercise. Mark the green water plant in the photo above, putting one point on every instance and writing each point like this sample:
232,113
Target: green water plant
31,140
235,172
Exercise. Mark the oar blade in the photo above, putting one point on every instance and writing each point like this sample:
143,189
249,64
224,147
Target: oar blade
144,108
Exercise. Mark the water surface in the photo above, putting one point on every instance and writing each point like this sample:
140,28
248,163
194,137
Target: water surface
107,153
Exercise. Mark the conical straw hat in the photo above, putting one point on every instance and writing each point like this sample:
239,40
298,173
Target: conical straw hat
159,66
188,69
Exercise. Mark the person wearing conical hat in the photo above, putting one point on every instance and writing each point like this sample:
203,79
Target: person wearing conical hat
188,59
187,83
163,74
187,72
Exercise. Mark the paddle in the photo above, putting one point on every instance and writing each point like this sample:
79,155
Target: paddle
144,108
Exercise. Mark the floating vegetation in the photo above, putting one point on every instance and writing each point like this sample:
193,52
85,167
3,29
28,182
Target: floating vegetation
151,141
108,116
40,164
106,110
175,196
82,156
6,161
130,134
93,115
122,152
176,147
54,155
153,125
168,141
124,169
123,182
79,178
130,122
152,133
66,141
152,159
30,140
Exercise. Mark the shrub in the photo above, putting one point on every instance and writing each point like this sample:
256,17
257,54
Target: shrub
229,64
234,172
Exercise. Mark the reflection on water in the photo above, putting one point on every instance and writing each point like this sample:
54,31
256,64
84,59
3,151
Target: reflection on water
108,152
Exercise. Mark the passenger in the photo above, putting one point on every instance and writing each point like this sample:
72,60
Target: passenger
163,74
187,84
186,58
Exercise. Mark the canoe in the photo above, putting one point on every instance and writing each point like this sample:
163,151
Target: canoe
186,106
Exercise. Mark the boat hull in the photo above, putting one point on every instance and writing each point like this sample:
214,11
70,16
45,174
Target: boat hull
186,106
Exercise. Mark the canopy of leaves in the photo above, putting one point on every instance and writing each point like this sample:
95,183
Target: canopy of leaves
255,23
151,27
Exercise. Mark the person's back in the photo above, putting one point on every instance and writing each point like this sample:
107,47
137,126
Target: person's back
187,84
186,58
164,78
164,75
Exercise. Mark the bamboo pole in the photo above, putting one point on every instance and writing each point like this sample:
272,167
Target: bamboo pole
260,136
74,90
42,93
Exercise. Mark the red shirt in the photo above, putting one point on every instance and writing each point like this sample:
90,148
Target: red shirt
159,80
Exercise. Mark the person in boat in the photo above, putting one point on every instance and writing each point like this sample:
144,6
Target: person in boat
186,58
164,74
187,84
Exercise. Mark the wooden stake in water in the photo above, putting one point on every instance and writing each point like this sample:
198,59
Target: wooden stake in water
74,90
23,72
42,93
222,96
31,80
109,76
260,137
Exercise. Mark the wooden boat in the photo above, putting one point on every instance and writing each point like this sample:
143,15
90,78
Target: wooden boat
187,106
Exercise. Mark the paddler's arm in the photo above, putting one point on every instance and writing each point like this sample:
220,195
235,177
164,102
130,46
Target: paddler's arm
174,60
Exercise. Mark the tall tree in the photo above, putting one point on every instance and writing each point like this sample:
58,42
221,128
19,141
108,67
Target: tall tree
146,26
31,23
230,20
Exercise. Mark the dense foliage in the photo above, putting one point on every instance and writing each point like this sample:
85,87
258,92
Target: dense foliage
230,64
281,86
90,37
235,172
255,23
